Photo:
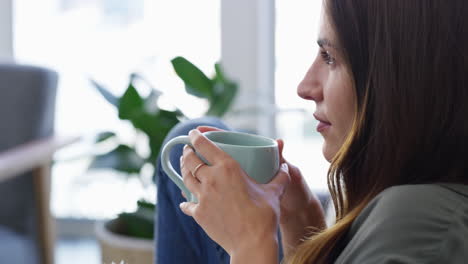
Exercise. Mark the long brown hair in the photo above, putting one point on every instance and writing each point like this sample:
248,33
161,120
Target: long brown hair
409,63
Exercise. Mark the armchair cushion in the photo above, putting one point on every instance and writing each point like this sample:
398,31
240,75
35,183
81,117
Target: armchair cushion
16,248
27,106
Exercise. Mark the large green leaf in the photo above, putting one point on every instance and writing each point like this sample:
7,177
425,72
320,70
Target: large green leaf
155,144
146,204
131,104
105,93
221,103
140,223
224,92
123,158
156,126
137,76
220,76
196,82
151,102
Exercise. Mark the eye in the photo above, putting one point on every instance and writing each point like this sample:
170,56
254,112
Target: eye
327,58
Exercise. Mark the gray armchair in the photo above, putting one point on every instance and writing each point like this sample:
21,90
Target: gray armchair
27,106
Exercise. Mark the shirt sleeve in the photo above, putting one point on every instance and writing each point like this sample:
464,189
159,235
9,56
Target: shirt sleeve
409,224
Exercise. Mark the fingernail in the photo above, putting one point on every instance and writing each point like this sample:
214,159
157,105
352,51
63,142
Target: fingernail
182,205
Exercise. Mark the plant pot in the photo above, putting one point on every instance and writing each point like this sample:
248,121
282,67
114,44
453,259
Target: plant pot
116,247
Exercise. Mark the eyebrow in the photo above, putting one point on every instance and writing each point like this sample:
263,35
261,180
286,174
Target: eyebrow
325,42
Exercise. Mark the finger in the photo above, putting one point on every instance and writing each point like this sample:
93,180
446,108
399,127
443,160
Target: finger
294,173
281,180
192,184
204,129
192,161
280,149
188,208
189,181
205,147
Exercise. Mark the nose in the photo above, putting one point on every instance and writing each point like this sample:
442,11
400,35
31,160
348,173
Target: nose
311,87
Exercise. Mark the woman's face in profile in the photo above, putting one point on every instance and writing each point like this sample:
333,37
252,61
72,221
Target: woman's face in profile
329,85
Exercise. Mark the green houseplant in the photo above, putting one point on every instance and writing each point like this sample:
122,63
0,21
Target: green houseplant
148,119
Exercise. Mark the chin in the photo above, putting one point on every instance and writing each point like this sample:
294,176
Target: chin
328,154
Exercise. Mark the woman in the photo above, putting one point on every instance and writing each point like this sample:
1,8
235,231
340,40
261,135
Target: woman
391,88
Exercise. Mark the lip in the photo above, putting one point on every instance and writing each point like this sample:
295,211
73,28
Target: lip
323,124
321,119
322,127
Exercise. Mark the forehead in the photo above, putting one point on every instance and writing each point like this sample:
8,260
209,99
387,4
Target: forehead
325,28
326,37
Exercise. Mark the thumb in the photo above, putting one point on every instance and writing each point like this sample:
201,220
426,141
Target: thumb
282,179
188,208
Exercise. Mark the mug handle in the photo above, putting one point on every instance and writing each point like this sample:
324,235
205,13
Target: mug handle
170,171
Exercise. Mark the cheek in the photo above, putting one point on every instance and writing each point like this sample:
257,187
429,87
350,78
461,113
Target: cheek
341,115
346,111
349,105
341,94
336,98
340,103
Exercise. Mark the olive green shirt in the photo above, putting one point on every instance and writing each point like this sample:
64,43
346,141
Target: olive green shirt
411,224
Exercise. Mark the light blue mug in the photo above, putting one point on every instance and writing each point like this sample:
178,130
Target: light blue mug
258,156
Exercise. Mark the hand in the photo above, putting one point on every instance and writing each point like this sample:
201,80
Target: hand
235,211
300,208
297,196
204,129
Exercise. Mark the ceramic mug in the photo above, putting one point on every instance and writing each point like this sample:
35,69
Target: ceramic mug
258,156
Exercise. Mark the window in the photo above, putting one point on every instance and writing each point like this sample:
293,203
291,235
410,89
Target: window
297,24
107,40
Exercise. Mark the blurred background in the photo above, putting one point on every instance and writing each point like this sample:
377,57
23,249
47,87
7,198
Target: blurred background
265,46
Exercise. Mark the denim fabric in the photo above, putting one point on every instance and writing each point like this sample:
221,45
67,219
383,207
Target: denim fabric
179,239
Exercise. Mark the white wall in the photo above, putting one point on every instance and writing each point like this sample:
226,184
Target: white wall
6,32
247,54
